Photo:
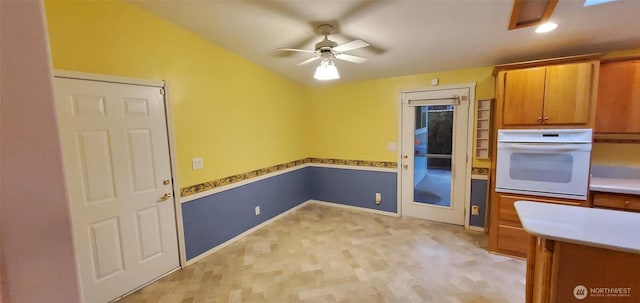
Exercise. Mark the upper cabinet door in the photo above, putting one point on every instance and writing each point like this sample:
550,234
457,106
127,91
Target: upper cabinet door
567,94
523,96
618,107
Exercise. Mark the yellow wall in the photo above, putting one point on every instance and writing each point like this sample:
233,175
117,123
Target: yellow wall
239,116
357,120
236,115
616,154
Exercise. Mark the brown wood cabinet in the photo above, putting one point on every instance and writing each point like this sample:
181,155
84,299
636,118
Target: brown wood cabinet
547,95
616,201
506,235
562,90
555,269
618,108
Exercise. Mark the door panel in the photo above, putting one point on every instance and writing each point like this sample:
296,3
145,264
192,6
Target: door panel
567,93
434,154
116,156
524,95
141,155
618,107
107,248
150,240
97,172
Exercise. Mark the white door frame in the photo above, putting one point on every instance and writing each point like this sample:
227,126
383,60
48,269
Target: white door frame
170,133
470,127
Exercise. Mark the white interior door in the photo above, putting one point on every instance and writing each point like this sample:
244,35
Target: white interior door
116,161
435,138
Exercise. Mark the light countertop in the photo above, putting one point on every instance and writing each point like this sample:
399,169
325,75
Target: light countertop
617,230
615,185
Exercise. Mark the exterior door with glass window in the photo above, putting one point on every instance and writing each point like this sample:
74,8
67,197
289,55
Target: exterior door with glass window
435,138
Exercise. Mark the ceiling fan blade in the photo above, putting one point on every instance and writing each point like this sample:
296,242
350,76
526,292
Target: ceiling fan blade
297,50
309,60
351,58
355,44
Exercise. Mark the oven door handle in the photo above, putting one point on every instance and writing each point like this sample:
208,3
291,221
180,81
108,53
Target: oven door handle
551,147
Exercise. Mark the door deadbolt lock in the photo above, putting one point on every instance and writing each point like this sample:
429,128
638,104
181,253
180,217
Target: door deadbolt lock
166,182
165,196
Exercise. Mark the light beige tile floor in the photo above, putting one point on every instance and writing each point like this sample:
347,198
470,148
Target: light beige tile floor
326,254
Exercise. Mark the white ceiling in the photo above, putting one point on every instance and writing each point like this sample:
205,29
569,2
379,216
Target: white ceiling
407,36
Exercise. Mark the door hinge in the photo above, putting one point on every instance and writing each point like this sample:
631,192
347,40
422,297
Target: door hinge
162,91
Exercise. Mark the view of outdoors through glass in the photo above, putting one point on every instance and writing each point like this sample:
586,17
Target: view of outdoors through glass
432,154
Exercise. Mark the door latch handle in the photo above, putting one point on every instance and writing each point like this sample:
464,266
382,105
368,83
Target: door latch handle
405,166
165,197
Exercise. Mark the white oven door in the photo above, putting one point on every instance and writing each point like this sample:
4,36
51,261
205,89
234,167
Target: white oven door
544,169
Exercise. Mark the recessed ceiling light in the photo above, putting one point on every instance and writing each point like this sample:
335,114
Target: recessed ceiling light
546,27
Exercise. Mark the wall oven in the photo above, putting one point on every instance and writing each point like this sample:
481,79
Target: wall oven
544,162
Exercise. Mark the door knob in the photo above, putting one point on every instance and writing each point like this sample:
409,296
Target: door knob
165,197
405,166
166,182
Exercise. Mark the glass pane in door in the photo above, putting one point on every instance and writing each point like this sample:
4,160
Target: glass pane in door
432,154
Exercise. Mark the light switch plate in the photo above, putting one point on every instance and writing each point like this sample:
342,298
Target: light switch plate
391,146
197,163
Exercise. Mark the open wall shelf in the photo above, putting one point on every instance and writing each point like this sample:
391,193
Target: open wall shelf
483,128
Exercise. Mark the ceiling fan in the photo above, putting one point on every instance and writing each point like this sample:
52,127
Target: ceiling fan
326,50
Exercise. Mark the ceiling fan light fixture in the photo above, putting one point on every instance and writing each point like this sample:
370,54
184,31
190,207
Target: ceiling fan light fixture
326,71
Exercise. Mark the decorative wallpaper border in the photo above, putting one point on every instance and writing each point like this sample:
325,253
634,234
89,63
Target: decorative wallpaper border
194,189
365,163
479,171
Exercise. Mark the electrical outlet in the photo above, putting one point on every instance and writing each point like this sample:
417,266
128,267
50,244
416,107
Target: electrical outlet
257,210
475,210
378,198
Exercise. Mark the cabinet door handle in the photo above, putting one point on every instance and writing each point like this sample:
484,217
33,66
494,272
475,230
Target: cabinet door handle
539,119
546,118
626,203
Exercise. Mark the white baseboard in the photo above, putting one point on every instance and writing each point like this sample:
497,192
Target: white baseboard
369,210
242,235
476,228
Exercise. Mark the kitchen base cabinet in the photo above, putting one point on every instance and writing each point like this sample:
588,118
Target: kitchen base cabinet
506,235
560,272
581,254
616,201
512,240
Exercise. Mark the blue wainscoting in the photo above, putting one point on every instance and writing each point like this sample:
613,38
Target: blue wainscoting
214,219
479,198
354,187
